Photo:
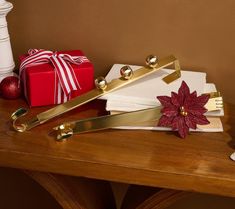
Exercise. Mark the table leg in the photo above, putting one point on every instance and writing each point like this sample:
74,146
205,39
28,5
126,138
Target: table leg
76,192
141,197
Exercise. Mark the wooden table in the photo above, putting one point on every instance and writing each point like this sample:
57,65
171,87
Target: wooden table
198,163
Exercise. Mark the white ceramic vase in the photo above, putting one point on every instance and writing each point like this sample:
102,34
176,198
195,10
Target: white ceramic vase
7,64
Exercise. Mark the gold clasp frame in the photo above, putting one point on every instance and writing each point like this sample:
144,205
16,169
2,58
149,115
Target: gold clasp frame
102,87
68,129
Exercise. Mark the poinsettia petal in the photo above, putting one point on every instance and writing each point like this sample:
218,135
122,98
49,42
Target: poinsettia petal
183,92
170,111
175,100
200,119
174,124
164,100
179,124
165,121
183,130
197,110
193,94
202,100
190,100
190,122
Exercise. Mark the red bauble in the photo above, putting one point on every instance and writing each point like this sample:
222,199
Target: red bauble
9,88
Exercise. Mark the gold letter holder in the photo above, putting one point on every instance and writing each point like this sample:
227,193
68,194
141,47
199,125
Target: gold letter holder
102,87
68,129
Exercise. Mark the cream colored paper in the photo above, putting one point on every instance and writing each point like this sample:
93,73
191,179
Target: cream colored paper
126,106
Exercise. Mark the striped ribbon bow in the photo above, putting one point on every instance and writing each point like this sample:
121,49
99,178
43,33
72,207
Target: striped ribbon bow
65,79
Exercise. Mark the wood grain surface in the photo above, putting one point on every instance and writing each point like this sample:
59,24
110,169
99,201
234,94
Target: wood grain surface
198,163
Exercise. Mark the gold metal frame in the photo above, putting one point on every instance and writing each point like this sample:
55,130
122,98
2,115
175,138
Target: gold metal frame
68,129
127,76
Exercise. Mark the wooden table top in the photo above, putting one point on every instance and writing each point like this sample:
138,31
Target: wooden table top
198,163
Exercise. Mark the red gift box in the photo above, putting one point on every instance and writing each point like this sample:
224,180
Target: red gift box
40,81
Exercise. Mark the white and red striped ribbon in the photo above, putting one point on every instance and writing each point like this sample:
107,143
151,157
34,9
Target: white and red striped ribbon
65,78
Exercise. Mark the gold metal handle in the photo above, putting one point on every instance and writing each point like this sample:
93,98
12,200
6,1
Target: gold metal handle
16,115
21,127
127,77
66,130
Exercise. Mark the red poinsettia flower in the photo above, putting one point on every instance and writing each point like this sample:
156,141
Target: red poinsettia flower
183,111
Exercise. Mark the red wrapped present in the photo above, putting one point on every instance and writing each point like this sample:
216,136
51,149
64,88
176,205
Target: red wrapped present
55,77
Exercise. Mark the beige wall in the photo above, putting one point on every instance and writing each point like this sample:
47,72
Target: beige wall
200,33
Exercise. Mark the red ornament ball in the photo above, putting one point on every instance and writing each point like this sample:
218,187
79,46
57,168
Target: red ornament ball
10,88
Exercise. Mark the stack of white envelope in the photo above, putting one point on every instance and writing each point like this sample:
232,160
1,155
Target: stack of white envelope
142,94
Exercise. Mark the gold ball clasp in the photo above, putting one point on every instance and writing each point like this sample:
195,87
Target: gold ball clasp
183,112
64,131
126,72
151,61
101,83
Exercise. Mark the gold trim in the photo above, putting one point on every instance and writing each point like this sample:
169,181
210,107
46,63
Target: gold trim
102,88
